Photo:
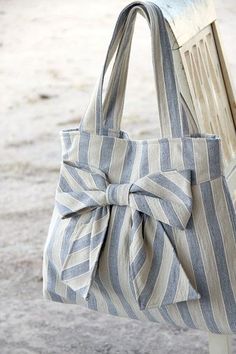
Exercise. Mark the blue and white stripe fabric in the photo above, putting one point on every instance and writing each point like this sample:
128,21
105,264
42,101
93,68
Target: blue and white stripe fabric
165,197
144,229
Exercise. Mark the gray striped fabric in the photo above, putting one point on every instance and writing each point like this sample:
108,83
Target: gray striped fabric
144,229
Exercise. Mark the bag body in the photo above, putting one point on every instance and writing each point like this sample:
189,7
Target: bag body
144,229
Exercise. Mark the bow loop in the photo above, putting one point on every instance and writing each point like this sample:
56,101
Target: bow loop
165,196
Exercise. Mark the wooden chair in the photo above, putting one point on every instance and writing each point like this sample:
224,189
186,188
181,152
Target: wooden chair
205,84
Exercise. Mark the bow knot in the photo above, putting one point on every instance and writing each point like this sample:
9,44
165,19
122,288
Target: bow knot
118,194
163,197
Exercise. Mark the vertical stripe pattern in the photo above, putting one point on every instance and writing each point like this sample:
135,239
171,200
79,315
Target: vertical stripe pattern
104,223
144,229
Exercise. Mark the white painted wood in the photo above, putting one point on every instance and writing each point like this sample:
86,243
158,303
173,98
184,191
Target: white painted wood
201,69
220,344
187,17
225,69
208,90
230,173
180,73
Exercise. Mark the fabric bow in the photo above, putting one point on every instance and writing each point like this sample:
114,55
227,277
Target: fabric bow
156,275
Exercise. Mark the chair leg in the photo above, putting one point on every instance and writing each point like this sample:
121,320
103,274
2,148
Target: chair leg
220,344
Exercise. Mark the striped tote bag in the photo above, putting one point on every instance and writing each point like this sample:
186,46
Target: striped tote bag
144,229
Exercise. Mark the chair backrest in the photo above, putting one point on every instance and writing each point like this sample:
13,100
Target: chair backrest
205,81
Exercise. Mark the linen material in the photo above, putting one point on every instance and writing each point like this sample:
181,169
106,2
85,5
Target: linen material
114,288
144,229
166,197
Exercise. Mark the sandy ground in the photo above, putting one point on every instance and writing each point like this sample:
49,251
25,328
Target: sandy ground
51,53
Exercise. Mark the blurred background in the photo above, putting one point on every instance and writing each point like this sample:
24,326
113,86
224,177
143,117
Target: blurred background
51,53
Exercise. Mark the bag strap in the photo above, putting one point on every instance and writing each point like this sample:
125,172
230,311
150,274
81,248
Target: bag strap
167,91
91,121
117,84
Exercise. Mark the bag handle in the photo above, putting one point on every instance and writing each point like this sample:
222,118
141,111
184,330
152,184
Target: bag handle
167,90
91,121
117,84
